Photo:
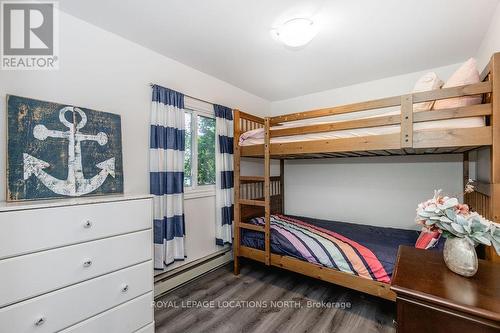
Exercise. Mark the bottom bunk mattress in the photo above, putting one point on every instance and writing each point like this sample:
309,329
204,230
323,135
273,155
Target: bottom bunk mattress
362,250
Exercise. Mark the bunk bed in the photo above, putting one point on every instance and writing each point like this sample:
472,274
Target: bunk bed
404,132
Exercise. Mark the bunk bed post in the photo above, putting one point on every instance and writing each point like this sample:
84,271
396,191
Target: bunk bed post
267,184
236,176
495,146
407,121
282,185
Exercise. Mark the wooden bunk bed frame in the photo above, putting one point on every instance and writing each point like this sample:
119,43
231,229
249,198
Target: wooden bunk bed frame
262,196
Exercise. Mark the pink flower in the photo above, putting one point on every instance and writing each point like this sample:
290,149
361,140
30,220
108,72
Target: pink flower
462,209
426,203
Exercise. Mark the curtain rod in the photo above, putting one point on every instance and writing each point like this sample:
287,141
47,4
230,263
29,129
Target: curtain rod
196,98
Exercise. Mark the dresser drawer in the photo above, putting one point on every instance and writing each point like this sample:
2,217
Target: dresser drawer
34,230
65,307
125,318
37,273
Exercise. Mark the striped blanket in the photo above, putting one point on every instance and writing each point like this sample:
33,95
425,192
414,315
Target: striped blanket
324,247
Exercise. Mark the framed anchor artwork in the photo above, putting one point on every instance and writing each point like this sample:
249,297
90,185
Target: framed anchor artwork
57,150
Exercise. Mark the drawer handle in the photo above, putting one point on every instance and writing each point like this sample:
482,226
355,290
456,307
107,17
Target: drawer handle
87,263
87,224
125,288
40,321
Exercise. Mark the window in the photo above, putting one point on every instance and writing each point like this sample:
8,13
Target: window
206,150
188,150
199,156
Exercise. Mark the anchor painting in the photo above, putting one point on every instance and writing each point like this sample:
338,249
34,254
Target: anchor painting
58,150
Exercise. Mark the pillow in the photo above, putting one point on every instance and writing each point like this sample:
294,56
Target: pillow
466,74
427,239
428,81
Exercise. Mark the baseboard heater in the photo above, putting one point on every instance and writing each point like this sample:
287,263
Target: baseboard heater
174,278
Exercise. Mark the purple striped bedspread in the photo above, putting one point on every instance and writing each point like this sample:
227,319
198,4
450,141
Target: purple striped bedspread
322,246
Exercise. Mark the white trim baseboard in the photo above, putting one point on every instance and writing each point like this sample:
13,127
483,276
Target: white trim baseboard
172,279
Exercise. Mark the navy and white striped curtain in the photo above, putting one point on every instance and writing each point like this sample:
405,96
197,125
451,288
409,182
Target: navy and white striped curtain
166,156
224,174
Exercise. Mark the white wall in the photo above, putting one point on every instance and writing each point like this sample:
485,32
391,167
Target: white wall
380,191
491,41
489,45
103,71
391,86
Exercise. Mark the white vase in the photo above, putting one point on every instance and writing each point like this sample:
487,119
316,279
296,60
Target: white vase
460,256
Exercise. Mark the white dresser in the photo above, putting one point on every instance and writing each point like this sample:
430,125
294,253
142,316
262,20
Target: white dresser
79,265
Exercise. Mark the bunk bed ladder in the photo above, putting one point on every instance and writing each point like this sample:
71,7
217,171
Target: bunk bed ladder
241,200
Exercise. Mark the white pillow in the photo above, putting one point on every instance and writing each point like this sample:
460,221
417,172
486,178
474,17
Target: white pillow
466,74
427,82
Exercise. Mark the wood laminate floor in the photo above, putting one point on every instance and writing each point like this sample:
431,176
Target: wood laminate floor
263,299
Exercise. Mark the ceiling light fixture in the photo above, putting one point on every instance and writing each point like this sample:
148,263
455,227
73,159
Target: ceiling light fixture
295,32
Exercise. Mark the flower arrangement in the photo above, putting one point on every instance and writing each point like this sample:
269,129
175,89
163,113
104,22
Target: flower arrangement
453,219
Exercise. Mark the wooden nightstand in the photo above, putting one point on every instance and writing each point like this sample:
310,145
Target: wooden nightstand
431,298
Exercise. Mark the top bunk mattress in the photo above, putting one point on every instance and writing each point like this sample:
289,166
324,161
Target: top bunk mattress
256,136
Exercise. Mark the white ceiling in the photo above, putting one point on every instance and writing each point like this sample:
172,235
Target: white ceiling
359,40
